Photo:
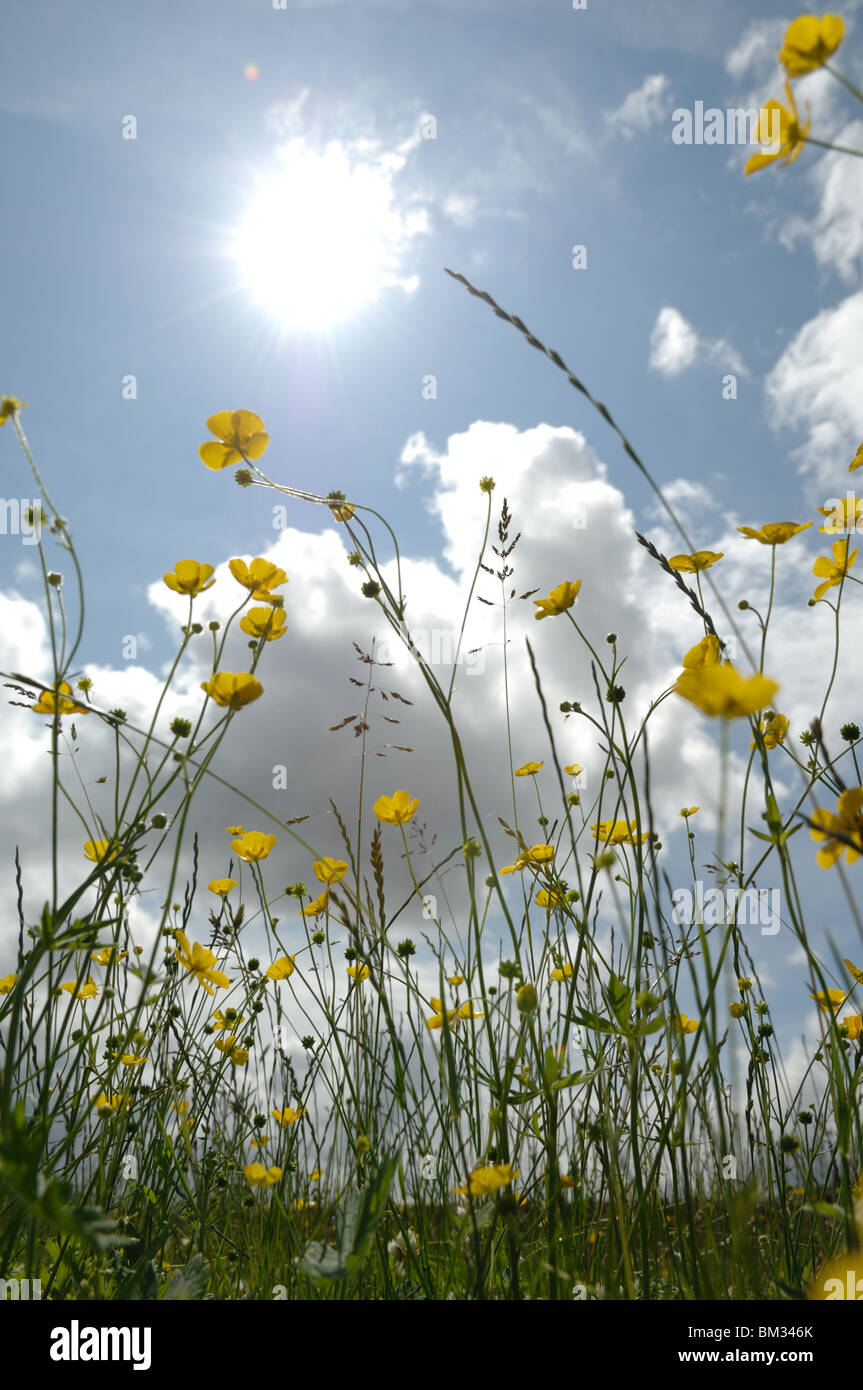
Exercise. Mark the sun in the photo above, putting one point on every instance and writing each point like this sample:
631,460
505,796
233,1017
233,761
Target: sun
322,237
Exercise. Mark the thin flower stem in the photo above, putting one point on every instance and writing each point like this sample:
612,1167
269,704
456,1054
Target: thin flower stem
828,145
849,86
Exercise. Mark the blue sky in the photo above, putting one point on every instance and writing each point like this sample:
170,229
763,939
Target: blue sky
553,129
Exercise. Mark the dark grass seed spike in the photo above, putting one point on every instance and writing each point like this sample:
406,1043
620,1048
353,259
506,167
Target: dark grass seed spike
573,380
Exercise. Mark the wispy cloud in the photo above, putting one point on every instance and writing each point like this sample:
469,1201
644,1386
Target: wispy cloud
675,346
641,109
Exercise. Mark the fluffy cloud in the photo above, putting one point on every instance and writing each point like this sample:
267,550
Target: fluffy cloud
675,346
573,522
816,388
835,230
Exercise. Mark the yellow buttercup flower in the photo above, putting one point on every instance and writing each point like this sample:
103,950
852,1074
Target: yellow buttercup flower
848,823
847,515
111,1105
259,1176
241,435
189,577
697,561
261,577
329,870
318,905
240,1056
47,698
617,832
774,731
857,461
704,653
228,1019
8,406
854,1025
107,955
288,1116
87,991
341,510
453,1016
233,830
537,854
688,811
397,809
855,972
233,690
358,972
775,532
529,769
455,980
559,600
832,999
200,962
226,1044
128,1059
681,1024
791,134
485,1181
722,691
809,42
521,863
97,850
281,969
253,846
547,899
563,973
264,622
573,769
222,886
541,854
6,983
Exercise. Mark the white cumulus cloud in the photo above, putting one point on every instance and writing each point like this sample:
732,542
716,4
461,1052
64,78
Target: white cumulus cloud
816,388
675,346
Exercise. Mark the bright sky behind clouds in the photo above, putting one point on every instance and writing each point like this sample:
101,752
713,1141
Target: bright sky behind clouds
274,238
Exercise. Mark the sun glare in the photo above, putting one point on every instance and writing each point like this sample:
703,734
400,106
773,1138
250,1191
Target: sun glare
321,238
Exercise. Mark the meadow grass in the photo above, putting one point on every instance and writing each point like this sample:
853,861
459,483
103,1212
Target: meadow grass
347,1113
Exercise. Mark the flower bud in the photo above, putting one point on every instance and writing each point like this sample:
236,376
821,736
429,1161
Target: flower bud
526,999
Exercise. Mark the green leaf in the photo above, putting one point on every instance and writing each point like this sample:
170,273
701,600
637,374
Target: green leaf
620,998
191,1282
648,1025
356,1224
594,1021
826,1209
551,1066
